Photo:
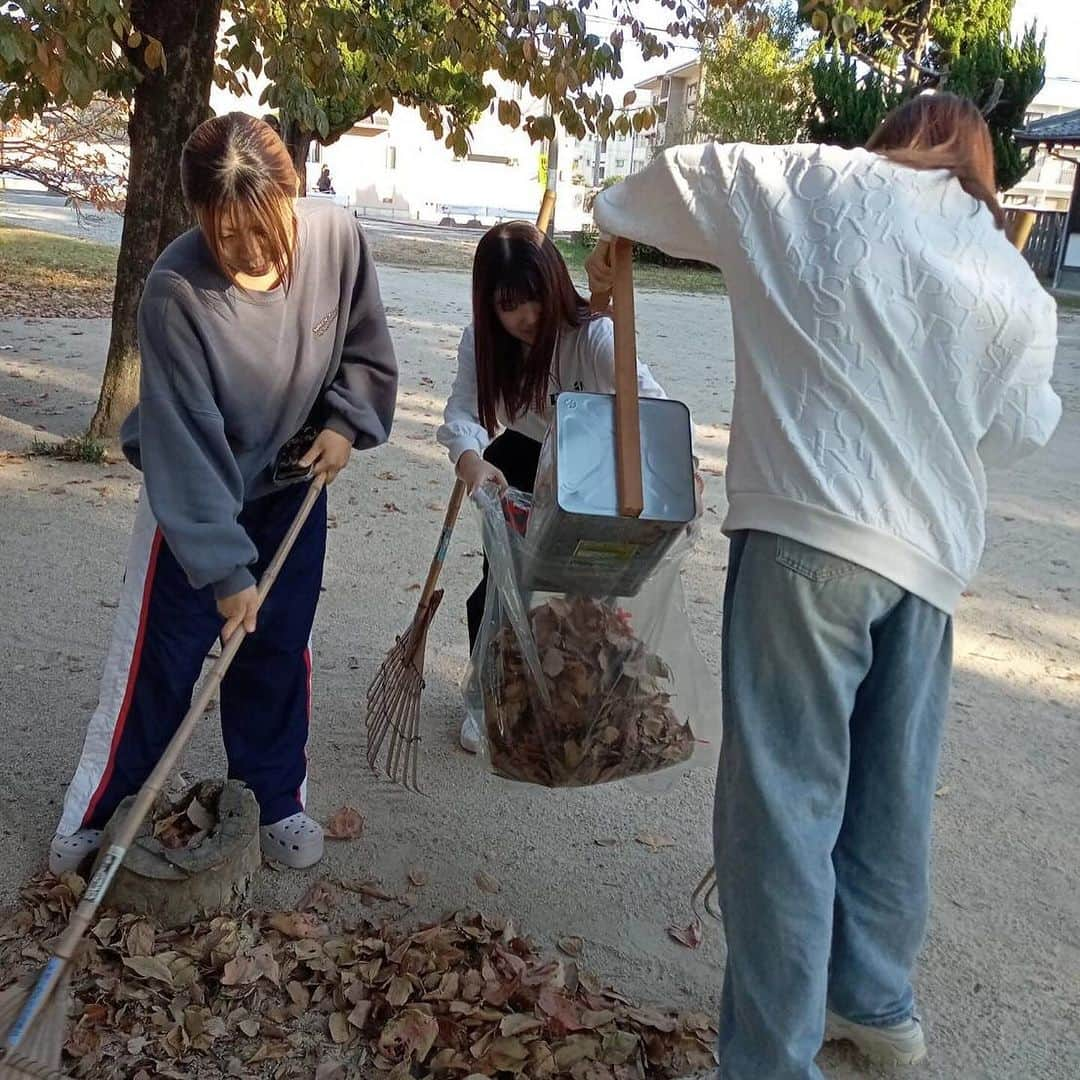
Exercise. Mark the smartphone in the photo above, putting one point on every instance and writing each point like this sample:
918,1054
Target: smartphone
287,467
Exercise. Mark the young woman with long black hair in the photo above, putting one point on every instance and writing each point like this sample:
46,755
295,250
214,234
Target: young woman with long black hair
532,336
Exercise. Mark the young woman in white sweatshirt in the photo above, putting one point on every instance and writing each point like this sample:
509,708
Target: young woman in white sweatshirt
532,337
889,344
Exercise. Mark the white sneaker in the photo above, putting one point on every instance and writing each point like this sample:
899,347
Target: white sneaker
470,737
296,841
67,853
898,1044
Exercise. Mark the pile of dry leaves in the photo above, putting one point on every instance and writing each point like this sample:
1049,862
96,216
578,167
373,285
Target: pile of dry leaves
283,995
609,715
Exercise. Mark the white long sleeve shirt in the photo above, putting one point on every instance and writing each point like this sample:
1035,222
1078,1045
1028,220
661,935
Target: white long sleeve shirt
584,362
889,343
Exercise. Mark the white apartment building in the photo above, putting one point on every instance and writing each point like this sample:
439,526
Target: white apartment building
390,165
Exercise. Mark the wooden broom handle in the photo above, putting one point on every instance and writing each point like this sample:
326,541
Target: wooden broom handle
155,782
627,413
457,496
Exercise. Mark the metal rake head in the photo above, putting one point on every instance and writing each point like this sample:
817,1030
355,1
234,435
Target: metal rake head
393,702
706,898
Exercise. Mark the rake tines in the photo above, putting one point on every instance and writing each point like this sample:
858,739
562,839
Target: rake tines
706,898
393,701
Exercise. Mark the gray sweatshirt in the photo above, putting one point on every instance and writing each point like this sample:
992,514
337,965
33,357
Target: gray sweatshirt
229,376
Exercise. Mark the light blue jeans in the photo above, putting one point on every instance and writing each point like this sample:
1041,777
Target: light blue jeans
835,688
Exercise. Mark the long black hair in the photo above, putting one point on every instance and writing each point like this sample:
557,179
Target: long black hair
516,263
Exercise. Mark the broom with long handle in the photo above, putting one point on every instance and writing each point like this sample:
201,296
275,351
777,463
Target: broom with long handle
33,1020
393,698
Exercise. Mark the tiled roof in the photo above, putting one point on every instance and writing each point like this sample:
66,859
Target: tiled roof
1061,130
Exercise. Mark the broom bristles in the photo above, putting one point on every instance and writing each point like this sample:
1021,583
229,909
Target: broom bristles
38,1055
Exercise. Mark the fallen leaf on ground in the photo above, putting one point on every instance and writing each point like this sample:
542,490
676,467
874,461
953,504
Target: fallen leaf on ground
340,1031
572,946
345,824
297,925
654,841
519,1024
691,936
150,967
320,897
140,939
410,1035
399,991
372,890
419,878
486,883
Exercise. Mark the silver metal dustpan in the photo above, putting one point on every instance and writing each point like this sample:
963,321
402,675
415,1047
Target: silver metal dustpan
615,485
577,540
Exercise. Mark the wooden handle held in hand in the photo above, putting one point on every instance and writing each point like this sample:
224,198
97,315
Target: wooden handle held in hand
627,414
155,782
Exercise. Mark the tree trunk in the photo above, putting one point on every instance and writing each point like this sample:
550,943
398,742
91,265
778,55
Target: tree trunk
168,106
922,40
298,144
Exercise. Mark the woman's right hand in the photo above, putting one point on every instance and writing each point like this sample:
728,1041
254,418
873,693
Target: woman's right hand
238,610
476,472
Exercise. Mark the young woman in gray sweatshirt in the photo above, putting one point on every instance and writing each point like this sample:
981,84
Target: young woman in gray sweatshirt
263,321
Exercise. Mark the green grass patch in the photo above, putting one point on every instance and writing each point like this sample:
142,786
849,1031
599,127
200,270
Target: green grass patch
46,275
676,279
83,448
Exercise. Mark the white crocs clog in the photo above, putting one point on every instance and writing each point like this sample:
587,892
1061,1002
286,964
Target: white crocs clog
67,853
296,841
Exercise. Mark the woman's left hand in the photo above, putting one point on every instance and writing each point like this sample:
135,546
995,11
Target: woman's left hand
329,454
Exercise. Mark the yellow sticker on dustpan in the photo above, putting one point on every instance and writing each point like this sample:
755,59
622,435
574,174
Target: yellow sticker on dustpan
603,553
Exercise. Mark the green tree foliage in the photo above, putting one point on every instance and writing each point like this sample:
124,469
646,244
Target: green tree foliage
849,103
324,60
1021,67
756,81
903,47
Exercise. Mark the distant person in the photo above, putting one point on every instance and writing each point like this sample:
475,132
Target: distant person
890,346
325,184
532,335
260,323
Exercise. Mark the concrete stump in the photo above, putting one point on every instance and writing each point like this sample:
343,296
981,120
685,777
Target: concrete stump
183,886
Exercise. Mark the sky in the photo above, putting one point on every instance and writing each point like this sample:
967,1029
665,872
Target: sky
1059,18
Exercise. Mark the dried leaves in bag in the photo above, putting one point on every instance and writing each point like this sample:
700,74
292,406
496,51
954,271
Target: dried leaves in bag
609,716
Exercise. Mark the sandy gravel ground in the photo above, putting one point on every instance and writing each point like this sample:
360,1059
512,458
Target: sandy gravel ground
998,982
